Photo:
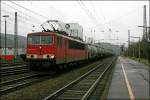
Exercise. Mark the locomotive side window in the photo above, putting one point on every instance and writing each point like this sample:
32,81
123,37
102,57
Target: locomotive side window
76,45
59,41
47,39
34,39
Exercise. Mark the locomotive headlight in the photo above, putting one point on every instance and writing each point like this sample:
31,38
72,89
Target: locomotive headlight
32,56
49,56
28,56
52,56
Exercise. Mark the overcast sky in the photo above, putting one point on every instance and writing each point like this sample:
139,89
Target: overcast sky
101,16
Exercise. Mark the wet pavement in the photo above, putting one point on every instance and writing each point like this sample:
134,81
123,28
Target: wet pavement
131,80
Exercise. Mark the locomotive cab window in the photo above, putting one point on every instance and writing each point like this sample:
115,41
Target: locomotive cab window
47,39
59,41
34,39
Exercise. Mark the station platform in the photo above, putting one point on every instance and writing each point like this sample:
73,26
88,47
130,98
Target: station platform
130,81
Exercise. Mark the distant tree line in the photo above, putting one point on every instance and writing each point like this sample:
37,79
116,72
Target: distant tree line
133,50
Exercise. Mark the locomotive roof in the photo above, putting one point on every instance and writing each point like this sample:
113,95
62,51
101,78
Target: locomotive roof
41,33
55,33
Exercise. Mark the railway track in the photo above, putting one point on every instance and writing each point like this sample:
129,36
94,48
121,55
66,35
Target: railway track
12,70
83,87
12,64
11,85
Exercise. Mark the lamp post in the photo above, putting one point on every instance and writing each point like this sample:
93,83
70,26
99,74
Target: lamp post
148,39
5,16
146,31
139,54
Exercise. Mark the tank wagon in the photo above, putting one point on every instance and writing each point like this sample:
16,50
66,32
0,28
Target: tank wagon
96,52
54,47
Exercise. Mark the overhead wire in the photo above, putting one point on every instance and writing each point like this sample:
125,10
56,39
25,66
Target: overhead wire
104,19
120,17
24,18
102,16
21,19
21,12
59,12
6,11
86,10
18,10
29,10
105,23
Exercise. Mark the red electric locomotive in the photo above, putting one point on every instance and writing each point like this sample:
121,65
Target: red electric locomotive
51,47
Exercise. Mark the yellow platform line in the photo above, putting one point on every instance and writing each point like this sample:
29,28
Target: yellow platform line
127,84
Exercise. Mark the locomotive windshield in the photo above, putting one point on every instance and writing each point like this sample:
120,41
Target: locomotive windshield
34,39
40,39
46,39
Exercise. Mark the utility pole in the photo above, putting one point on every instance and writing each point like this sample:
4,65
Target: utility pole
133,49
145,35
149,24
94,34
139,49
5,16
16,36
0,29
128,42
148,33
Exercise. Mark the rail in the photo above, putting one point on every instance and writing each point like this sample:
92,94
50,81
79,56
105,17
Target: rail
82,87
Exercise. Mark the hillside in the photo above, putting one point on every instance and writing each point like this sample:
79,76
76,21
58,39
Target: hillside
10,41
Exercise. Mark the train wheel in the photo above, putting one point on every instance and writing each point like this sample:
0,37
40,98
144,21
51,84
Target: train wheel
60,67
65,66
32,66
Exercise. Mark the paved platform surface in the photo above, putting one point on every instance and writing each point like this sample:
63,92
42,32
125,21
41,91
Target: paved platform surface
131,81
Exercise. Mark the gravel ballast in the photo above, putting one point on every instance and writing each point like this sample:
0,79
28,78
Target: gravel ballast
42,89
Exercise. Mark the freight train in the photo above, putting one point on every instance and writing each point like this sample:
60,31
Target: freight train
49,48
